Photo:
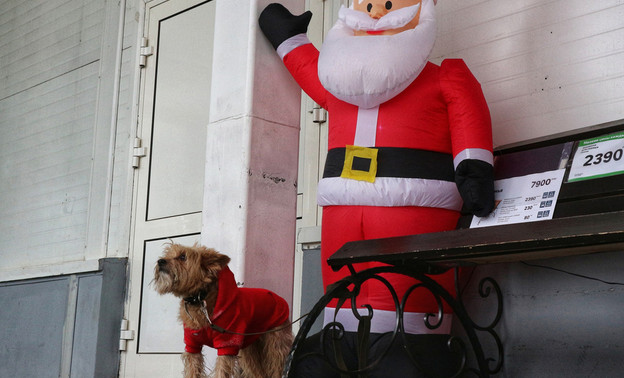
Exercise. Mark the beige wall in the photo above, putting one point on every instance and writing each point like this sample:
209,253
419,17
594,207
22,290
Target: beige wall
545,66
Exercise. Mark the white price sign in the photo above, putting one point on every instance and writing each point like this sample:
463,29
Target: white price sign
523,199
598,157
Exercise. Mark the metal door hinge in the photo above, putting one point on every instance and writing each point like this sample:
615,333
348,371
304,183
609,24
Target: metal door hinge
126,334
138,152
319,115
144,52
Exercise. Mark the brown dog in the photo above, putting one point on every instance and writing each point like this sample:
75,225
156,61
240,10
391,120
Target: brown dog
248,327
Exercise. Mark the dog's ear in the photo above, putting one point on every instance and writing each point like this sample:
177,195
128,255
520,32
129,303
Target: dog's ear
220,259
223,260
213,261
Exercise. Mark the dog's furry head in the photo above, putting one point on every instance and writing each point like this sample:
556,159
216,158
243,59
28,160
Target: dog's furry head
184,271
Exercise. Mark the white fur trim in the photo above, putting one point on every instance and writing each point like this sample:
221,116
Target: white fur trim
389,191
366,127
384,321
292,43
474,153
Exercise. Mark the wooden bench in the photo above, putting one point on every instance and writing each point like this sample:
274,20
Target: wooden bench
588,218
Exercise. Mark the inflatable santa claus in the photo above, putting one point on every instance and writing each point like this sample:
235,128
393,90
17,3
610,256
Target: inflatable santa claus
410,142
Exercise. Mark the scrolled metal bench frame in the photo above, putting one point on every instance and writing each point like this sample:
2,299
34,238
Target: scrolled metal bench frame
349,287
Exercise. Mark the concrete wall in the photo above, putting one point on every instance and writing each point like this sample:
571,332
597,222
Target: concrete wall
556,324
65,326
250,204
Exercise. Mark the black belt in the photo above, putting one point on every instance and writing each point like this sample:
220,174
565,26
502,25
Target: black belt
398,162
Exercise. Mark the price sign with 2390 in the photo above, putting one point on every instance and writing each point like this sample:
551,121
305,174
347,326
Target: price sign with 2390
598,157
603,158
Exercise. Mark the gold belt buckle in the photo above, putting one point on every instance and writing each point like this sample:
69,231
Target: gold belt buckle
360,163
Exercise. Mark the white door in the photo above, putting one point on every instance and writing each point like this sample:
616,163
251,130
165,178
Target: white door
169,180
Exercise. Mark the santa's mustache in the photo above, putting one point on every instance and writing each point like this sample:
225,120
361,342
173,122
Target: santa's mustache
358,20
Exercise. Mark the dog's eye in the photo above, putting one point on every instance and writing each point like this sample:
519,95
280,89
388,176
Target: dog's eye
182,257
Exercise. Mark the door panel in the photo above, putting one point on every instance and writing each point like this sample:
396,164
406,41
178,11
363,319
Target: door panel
156,309
181,105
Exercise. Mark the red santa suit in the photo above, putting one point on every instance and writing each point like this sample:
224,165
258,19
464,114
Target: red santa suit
239,310
421,135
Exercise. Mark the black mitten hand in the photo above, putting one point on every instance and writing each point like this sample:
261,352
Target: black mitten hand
278,24
475,181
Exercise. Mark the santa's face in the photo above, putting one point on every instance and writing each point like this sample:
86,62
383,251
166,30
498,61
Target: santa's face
377,9
369,70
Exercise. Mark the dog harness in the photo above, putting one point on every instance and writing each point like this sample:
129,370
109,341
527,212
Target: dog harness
237,310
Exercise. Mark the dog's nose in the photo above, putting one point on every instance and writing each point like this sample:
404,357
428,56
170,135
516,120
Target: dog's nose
162,262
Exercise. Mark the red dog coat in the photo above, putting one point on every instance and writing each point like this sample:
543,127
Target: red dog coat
240,310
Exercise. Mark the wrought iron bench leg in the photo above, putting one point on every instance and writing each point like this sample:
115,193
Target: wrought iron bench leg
348,288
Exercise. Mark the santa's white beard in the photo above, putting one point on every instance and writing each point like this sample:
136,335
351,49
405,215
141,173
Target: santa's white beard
369,70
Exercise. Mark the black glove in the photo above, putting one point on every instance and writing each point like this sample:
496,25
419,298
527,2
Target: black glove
475,181
278,24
